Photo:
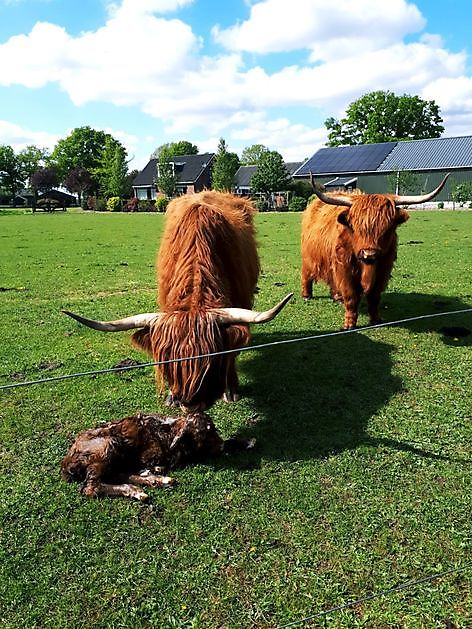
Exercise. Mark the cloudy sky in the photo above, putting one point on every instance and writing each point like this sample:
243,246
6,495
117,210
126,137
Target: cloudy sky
251,71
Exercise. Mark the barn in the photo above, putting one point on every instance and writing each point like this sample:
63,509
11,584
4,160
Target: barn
377,168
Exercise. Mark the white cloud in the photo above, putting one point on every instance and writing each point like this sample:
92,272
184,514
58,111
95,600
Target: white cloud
329,29
20,137
143,58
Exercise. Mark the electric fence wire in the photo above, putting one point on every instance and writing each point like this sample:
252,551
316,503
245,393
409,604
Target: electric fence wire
232,351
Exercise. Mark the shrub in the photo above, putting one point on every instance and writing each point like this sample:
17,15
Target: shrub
145,205
114,204
132,204
440,205
161,204
261,204
100,205
297,204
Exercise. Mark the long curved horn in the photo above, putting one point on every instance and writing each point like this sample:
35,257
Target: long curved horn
422,198
319,191
128,323
241,315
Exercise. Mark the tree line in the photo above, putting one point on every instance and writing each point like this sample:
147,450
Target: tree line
94,165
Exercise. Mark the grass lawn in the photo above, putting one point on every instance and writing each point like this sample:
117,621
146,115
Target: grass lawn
360,480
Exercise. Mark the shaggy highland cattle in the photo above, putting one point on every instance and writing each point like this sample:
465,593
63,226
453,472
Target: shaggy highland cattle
349,241
207,270
116,458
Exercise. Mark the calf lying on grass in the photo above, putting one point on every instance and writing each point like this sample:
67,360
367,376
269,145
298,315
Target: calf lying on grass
112,459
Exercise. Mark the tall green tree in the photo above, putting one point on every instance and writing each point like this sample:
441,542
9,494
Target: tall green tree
31,159
383,117
252,154
12,176
82,148
113,170
166,178
182,147
271,174
224,168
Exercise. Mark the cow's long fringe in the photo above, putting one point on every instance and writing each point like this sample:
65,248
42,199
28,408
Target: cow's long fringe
187,333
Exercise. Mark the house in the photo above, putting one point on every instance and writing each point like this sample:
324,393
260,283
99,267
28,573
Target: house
373,167
193,173
243,176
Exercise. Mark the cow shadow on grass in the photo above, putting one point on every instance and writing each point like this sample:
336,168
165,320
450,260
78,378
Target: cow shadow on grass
315,398
454,329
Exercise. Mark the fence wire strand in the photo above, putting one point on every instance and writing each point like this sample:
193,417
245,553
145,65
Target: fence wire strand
392,590
232,351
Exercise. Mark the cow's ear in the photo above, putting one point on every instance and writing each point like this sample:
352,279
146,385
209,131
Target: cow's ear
402,216
343,219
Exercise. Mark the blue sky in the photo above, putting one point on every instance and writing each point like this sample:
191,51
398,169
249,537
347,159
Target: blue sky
251,71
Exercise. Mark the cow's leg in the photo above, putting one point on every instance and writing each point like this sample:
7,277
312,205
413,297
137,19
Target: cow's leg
351,310
148,479
232,383
307,283
373,302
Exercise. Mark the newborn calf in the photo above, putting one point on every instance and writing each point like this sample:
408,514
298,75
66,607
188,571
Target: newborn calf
112,459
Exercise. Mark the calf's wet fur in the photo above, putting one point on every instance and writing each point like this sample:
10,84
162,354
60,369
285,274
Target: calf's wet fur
122,456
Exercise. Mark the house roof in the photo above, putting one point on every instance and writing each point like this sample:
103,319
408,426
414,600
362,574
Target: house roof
346,159
429,154
188,169
242,178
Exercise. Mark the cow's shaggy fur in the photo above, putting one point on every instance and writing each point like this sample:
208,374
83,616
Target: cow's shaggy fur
207,259
351,249
118,457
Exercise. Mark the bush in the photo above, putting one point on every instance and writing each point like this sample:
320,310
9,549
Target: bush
297,204
145,205
114,204
132,204
161,204
100,205
440,205
261,204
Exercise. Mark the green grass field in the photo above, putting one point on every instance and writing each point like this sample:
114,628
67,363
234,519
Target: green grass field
360,480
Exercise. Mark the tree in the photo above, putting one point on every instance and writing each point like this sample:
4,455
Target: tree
78,180
44,179
182,147
12,177
271,174
402,182
224,168
113,170
82,148
462,192
166,179
384,117
252,154
31,159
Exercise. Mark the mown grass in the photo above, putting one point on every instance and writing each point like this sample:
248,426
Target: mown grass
361,476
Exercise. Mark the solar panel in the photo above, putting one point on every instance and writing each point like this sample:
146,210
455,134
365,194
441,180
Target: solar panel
347,159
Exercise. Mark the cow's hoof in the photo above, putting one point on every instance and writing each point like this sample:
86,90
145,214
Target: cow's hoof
308,298
231,396
171,401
